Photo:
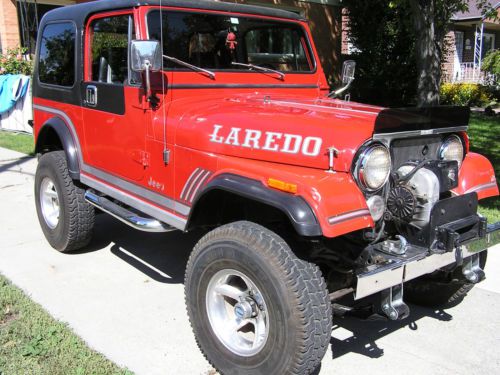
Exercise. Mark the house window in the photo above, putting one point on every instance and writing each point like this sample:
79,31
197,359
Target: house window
488,43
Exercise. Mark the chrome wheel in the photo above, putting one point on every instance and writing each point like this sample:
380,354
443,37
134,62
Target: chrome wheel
237,312
49,202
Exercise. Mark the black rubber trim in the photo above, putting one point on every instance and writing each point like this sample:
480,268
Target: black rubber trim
68,144
411,119
295,207
82,11
241,86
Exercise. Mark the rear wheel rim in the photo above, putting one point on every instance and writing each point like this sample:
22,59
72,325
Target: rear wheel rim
49,202
237,312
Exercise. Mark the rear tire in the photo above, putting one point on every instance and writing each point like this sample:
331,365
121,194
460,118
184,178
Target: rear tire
289,305
67,220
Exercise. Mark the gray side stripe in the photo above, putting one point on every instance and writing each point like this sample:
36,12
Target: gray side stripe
159,199
200,184
348,216
481,187
188,183
197,179
155,212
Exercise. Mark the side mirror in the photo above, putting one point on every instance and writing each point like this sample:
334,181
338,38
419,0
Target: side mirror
348,71
146,56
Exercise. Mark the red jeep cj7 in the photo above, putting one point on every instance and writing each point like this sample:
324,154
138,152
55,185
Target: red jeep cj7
180,114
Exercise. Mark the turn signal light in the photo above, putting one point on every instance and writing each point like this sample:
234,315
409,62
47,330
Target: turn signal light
282,185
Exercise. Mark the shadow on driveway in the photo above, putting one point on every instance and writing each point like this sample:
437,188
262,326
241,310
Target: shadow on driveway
6,165
365,333
161,256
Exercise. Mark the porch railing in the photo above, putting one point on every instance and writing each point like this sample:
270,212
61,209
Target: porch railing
470,73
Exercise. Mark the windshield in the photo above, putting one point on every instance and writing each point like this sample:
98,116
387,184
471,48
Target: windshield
214,42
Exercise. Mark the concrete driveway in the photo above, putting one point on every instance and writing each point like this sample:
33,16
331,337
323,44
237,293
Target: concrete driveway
124,297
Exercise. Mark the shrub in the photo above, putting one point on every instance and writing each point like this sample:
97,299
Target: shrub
491,62
15,61
465,94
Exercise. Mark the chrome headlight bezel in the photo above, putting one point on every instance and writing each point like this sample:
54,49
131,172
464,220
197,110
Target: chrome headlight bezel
360,171
448,141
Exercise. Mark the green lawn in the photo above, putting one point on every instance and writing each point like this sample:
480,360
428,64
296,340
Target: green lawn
31,342
484,136
18,142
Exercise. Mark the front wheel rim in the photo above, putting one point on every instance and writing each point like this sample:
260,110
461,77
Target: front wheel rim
49,203
237,312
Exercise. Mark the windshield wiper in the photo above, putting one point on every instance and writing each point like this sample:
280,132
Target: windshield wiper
190,66
261,68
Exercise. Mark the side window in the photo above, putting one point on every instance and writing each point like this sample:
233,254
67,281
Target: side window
56,65
278,47
109,49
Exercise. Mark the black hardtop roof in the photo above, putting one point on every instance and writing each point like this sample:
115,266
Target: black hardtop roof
80,12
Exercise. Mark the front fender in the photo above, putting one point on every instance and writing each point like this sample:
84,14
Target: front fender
477,175
334,198
295,207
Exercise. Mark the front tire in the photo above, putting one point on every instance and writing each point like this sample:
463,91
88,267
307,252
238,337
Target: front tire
255,308
67,220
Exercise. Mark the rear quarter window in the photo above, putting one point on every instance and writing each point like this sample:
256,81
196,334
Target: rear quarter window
56,63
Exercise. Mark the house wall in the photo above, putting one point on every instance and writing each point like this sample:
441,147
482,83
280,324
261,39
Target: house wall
9,26
10,35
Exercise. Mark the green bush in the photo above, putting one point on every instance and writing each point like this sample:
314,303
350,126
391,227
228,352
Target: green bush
465,94
491,62
15,62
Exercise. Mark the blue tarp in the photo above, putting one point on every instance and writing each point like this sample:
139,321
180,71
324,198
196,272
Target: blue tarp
12,88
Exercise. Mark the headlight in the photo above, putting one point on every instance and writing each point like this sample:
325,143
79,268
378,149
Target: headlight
374,167
452,149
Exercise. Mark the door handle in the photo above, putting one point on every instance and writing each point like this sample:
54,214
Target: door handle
91,96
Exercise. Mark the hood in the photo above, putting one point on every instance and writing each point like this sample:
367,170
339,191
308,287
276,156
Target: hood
292,130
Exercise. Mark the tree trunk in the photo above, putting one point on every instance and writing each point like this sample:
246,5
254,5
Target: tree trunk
428,52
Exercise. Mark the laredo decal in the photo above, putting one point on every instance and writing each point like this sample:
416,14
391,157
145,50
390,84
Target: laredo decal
268,141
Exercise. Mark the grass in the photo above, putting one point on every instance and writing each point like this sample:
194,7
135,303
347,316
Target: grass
31,342
484,133
18,142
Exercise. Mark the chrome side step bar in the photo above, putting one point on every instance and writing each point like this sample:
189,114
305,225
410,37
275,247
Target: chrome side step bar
145,224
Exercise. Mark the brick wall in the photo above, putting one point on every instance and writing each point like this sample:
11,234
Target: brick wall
9,26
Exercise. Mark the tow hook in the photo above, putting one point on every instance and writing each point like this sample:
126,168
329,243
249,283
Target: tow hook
393,305
471,269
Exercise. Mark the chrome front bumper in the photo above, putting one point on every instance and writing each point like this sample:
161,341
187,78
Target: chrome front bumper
399,270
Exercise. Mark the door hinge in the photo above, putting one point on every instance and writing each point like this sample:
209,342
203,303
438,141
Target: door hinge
142,157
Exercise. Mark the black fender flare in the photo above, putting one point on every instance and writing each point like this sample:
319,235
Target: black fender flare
58,126
295,207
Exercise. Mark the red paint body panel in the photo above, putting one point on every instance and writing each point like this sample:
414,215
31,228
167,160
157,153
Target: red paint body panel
477,174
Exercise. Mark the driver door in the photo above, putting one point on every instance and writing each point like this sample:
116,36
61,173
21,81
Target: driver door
112,113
